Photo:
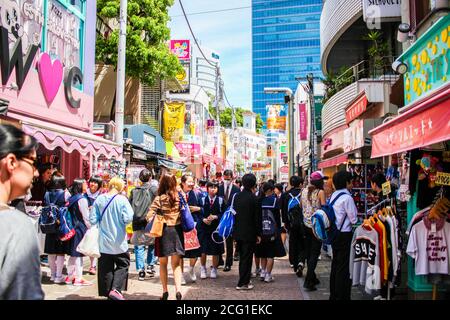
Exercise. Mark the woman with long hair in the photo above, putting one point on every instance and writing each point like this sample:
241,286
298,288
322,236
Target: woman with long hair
79,210
112,212
193,200
171,243
20,271
312,199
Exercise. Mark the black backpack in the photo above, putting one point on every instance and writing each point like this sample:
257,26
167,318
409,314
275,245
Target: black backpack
269,225
142,198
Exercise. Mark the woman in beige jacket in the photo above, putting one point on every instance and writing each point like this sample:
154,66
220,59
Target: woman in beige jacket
171,243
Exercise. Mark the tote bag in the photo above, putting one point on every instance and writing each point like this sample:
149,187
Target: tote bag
191,240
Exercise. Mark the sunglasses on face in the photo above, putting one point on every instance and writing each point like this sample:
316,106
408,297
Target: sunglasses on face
30,161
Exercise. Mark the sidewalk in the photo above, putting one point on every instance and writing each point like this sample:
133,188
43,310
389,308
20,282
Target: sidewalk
285,286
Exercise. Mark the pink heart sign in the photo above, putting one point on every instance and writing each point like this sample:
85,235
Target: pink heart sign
50,76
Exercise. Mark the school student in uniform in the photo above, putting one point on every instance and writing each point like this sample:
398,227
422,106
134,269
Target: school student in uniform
213,208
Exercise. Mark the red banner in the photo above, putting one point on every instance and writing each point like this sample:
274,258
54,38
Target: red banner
303,122
356,109
418,127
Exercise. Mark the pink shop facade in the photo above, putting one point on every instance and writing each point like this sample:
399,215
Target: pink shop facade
47,57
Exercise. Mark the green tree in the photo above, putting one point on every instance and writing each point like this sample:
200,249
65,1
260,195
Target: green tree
147,54
259,123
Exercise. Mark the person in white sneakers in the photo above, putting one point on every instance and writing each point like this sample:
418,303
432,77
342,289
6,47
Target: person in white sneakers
213,208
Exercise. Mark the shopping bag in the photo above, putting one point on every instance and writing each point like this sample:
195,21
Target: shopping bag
154,228
187,221
191,240
89,244
140,238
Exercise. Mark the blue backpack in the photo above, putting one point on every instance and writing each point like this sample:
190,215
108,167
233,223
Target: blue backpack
48,220
225,227
324,222
294,211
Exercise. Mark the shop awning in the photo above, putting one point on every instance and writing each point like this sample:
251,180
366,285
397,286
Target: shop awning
333,161
425,123
172,165
70,140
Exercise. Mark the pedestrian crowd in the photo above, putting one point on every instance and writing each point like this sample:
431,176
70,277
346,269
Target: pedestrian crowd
270,221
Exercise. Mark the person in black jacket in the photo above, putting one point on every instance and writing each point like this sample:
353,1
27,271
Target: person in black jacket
247,229
296,237
227,190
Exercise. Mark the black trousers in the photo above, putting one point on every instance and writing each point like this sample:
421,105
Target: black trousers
112,272
246,250
230,254
340,282
297,252
312,252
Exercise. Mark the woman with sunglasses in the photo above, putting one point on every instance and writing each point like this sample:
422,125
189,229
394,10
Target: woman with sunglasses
20,274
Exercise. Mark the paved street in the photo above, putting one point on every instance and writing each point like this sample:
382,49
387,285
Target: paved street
285,287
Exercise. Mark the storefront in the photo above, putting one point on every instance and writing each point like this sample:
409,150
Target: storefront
54,102
332,151
419,136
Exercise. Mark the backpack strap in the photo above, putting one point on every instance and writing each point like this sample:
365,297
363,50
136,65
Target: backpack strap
337,197
107,205
232,201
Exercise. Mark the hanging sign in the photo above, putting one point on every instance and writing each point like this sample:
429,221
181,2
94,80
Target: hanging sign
443,179
174,121
386,188
303,122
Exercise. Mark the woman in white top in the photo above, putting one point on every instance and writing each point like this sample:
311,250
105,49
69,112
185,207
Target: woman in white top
312,199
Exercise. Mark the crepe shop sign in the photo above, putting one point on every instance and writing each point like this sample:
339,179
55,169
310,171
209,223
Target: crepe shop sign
51,73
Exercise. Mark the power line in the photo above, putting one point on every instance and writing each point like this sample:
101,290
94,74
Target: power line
195,39
213,11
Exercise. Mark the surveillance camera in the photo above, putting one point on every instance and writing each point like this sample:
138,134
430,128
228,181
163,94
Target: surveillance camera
403,32
400,67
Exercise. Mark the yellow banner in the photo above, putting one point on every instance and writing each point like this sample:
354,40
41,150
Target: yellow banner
443,179
174,121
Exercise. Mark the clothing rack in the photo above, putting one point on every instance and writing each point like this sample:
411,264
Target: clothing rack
371,210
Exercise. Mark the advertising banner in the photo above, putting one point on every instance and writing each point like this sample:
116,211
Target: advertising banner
356,109
173,119
303,122
376,9
184,77
275,119
354,136
181,49
188,149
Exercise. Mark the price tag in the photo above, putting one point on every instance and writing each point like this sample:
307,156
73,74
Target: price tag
386,188
443,179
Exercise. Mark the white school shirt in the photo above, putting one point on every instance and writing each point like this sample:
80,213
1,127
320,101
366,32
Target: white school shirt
344,206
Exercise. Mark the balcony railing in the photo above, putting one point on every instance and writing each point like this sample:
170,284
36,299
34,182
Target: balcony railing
378,68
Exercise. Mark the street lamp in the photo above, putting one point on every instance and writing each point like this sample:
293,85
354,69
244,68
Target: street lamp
289,98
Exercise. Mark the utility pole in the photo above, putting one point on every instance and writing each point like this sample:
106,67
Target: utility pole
310,78
120,87
291,135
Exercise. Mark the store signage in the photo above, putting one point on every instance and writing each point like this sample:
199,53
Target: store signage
419,130
188,148
181,49
284,169
149,142
428,61
275,121
356,109
354,136
269,151
386,187
184,77
442,179
326,143
303,122
173,118
377,9
138,154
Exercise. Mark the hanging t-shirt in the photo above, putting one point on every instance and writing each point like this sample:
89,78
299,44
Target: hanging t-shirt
430,249
365,260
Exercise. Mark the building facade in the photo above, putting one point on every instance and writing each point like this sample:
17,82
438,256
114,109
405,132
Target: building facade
286,45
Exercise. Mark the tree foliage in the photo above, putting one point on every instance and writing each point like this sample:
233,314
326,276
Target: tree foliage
147,54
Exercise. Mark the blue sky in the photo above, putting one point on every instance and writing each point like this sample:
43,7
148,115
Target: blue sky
228,33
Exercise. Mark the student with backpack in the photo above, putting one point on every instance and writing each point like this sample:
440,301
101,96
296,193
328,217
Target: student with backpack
79,210
141,199
56,196
193,200
313,198
270,245
293,221
213,208
346,213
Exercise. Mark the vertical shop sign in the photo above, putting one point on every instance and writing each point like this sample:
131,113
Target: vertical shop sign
174,121
181,49
303,121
